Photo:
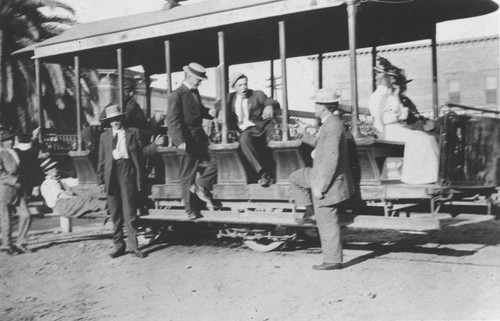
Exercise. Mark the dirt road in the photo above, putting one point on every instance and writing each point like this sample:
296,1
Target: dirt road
450,274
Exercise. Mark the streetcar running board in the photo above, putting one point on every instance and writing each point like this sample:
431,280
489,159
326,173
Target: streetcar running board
418,222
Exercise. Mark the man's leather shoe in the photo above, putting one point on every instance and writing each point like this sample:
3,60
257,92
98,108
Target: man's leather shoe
194,215
203,195
328,266
117,253
306,220
21,248
265,180
10,251
138,254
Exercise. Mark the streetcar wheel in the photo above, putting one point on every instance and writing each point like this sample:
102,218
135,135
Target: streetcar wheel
261,246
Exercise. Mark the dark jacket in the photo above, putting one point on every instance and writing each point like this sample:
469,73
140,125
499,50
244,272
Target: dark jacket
185,116
134,148
30,173
257,101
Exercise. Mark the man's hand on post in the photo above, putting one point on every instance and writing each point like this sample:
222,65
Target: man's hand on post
102,188
268,112
182,146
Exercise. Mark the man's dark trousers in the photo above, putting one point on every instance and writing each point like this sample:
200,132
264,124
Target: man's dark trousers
187,176
253,141
121,203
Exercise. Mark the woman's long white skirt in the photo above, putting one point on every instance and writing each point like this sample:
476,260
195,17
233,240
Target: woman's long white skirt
421,156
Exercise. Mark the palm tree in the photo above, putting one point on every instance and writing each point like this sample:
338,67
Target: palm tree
24,23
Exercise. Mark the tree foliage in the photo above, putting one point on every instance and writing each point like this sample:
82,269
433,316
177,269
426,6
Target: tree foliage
24,23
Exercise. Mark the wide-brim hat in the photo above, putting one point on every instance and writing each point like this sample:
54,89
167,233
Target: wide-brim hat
48,164
196,70
113,111
235,77
6,135
326,96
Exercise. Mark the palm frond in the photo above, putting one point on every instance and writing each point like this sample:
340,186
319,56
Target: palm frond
48,3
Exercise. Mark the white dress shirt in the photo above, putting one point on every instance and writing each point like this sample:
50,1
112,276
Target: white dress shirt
121,147
241,109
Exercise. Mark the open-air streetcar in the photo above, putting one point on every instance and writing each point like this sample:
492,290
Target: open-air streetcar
220,33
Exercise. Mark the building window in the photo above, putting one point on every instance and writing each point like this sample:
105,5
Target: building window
491,89
454,91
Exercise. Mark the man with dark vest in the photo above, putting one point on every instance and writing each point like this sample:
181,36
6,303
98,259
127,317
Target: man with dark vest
120,172
185,115
329,182
252,113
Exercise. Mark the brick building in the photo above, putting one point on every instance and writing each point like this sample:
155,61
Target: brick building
468,72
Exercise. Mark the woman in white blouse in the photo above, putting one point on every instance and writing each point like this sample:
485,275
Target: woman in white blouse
421,155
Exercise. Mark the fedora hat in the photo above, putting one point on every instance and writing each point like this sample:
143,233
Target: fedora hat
48,164
235,77
113,111
196,70
326,96
6,135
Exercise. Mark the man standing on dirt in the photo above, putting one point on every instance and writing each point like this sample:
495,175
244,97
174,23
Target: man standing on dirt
329,182
120,171
11,196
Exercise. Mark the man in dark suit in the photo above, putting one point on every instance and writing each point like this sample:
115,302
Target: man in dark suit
329,182
185,115
251,113
120,172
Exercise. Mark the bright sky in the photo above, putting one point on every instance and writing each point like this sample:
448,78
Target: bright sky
91,10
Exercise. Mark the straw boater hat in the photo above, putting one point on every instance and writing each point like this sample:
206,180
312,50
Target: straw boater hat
113,111
326,96
48,164
235,77
196,70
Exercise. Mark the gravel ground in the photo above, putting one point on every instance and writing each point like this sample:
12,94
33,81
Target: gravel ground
452,274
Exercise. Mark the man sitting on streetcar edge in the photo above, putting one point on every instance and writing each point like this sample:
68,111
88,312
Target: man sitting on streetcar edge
185,115
329,182
58,194
252,113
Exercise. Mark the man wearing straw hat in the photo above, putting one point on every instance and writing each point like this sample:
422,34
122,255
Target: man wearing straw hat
11,196
329,182
120,172
185,115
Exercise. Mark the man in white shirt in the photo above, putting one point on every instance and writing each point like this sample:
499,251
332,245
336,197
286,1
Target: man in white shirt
252,113
120,171
61,199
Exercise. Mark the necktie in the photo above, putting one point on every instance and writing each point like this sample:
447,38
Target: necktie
115,141
242,111
195,94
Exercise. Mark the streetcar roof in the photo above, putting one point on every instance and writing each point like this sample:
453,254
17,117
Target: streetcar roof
251,31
